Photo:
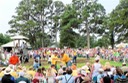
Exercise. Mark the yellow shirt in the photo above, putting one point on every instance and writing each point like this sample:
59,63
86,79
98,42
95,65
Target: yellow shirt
74,73
31,72
14,74
1,74
75,53
54,59
65,58
54,70
48,53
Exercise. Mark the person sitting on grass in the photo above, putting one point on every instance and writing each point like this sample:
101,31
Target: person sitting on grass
22,79
68,78
50,75
8,78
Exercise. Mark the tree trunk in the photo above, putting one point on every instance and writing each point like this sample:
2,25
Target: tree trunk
43,36
88,36
42,28
56,35
112,39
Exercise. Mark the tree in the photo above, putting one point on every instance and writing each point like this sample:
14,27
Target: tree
118,22
56,10
68,22
91,14
4,39
32,21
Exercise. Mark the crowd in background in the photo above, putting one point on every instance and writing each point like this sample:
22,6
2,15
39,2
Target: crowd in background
68,72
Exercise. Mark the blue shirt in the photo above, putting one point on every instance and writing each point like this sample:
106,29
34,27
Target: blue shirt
66,78
99,77
117,76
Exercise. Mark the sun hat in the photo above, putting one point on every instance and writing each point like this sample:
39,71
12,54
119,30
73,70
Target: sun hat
97,58
55,51
82,72
86,69
85,79
7,71
101,70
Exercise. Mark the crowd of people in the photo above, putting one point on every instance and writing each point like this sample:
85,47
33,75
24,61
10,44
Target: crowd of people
68,72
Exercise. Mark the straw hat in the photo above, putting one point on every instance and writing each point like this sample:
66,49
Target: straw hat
85,79
7,71
97,58
101,70
86,69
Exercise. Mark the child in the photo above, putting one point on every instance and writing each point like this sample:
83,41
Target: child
100,76
36,64
49,60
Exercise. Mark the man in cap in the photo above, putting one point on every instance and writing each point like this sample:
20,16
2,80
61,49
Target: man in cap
8,78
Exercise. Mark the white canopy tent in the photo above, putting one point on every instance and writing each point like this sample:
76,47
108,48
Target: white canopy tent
122,45
17,41
13,43
19,37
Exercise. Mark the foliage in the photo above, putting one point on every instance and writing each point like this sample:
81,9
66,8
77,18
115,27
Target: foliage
68,22
33,20
4,39
92,15
80,41
42,20
117,23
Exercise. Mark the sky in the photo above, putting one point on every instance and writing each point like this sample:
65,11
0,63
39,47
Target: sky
7,9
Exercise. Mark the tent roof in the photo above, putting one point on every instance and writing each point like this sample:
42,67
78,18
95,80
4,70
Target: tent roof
19,37
122,45
10,44
13,43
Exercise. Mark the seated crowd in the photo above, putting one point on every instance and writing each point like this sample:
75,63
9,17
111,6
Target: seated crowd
66,73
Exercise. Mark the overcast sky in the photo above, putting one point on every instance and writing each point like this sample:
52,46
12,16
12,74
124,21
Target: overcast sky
7,9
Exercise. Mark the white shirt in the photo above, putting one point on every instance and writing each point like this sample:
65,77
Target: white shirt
97,66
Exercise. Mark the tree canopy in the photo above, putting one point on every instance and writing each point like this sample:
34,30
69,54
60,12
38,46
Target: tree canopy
80,22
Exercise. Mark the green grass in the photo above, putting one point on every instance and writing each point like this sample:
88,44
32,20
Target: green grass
80,62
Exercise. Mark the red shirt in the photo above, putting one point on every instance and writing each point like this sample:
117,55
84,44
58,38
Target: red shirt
14,60
35,80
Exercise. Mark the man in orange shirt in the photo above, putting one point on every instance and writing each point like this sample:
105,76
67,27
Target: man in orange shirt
66,59
14,59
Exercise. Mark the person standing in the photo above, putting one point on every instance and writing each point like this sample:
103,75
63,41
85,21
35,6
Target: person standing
54,59
14,59
66,59
95,69
74,54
